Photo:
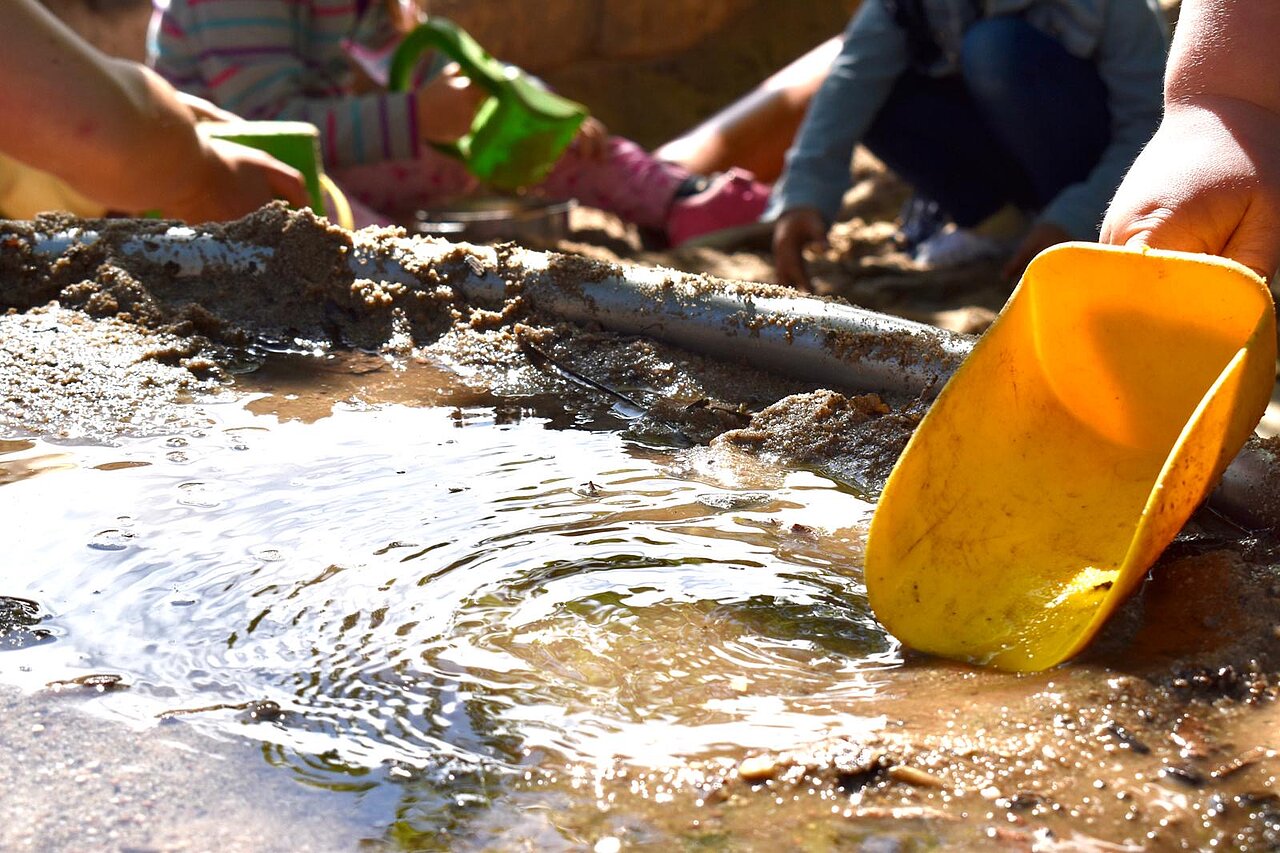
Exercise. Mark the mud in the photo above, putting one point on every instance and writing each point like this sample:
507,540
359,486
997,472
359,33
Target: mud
852,439
1264,500
1151,741
75,782
304,290
303,295
69,375
1161,736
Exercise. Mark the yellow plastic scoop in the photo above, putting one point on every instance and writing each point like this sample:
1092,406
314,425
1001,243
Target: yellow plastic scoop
1068,450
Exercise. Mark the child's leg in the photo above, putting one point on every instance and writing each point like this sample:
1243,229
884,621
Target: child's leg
932,135
400,187
627,181
1047,107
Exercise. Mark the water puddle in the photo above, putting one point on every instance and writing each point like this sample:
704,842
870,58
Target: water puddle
445,606
469,616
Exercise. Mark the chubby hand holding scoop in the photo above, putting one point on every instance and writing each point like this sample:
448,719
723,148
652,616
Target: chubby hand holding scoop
1073,444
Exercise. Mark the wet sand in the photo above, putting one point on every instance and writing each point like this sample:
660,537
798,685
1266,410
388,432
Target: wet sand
74,781
1163,734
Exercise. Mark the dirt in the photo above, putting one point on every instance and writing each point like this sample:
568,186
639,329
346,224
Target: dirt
1265,499
303,295
853,439
1161,735
68,375
75,782
1152,739
301,292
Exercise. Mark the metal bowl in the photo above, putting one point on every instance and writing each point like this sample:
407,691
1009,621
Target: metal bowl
498,218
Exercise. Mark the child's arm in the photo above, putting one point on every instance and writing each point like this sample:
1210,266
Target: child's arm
807,196
284,59
116,132
1130,59
1209,181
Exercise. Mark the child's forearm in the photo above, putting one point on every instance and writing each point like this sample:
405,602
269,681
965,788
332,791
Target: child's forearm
1225,48
109,128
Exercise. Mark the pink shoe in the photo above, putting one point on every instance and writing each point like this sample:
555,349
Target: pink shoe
729,209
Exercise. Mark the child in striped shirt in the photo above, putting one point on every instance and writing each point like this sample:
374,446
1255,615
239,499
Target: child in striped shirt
323,61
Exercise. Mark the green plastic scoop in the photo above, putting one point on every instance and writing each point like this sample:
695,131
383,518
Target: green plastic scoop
296,143
519,132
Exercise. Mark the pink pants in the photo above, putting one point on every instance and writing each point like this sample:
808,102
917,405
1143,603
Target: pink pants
627,181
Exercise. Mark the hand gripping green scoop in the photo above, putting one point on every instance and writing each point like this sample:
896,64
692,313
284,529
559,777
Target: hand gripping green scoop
519,132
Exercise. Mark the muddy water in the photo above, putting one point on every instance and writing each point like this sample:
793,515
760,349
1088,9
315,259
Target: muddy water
469,603
475,628
444,602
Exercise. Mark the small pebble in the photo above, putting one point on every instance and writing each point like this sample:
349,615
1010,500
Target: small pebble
757,768
915,776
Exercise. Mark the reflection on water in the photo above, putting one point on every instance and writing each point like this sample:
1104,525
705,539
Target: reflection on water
439,603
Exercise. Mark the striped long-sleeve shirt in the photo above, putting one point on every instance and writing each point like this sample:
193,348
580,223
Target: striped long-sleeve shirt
288,59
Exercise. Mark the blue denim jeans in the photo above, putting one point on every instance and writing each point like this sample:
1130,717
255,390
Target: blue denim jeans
1021,121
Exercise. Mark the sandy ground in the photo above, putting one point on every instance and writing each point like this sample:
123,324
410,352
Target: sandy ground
1169,713
864,265
73,781
1164,733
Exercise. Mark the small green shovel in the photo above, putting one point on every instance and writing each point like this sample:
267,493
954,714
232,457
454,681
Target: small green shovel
295,143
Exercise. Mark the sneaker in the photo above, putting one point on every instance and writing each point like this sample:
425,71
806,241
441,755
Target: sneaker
920,219
729,209
954,246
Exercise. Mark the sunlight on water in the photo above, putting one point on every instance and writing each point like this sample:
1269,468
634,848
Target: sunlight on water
417,585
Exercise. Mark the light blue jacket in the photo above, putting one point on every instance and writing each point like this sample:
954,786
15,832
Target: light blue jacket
1126,39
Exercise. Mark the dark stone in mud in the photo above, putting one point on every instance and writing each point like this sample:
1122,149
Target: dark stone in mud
1185,775
1125,738
1222,682
262,711
20,620
1026,800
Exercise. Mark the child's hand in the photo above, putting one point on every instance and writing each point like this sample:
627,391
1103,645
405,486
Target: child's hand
234,180
1209,181
447,106
592,141
203,110
795,229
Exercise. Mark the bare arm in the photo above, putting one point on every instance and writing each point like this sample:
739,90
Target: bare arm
1225,48
118,133
1209,180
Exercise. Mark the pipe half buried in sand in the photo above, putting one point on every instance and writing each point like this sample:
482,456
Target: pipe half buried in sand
803,337
807,338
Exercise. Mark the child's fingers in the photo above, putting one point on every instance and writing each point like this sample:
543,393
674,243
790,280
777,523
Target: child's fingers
1256,243
287,183
591,145
204,110
788,259
794,230
256,178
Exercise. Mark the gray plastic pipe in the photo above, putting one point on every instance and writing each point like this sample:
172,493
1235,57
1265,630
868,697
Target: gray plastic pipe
807,338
